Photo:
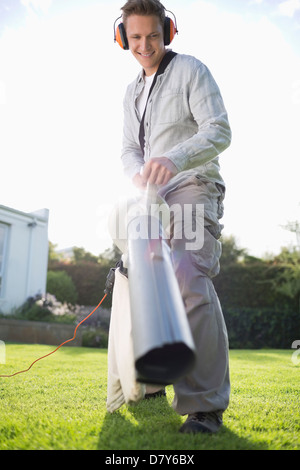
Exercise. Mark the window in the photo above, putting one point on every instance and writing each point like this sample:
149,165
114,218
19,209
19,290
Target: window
3,239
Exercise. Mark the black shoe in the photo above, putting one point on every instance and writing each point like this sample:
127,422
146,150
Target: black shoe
160,393
203,422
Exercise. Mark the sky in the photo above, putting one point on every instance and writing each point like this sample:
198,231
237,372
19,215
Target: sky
62,82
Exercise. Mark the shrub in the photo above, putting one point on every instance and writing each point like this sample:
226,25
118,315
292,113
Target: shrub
34,312
89,280
60,284
45,309
95,338
255,328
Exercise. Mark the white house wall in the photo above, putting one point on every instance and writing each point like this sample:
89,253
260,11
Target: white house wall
26,257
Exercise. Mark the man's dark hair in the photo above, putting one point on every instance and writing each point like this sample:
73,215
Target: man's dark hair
144,8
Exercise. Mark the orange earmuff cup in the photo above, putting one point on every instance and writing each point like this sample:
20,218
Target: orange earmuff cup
121,38
170,31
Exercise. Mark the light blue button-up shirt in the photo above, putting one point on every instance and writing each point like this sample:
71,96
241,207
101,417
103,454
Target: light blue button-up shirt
185,121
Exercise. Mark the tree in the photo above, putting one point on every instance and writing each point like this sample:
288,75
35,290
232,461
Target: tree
60,284
88,273
287,281
246,281
111,255
52,253
79,255
294,227
230,252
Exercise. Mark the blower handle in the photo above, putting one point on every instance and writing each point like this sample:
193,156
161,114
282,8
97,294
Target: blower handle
151,196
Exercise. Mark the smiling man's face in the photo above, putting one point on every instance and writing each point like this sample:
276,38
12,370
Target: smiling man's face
146,41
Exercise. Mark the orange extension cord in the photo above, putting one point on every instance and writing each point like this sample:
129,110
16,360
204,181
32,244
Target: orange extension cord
65,342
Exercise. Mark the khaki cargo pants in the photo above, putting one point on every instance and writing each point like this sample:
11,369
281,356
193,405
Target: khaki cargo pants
207,388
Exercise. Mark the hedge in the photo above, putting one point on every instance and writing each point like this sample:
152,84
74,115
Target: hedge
258,328
256,315
89,279
251,286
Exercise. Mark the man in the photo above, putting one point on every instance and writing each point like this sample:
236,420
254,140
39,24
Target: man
185,129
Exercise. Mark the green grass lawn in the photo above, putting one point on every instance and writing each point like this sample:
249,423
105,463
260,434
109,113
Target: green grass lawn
60,405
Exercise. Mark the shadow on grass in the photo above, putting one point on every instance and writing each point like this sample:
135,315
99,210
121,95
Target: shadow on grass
154,425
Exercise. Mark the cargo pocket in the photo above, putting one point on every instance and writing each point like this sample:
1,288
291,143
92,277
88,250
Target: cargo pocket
207,260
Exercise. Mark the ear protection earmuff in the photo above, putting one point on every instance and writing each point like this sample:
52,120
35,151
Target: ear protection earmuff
120,36
170,29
